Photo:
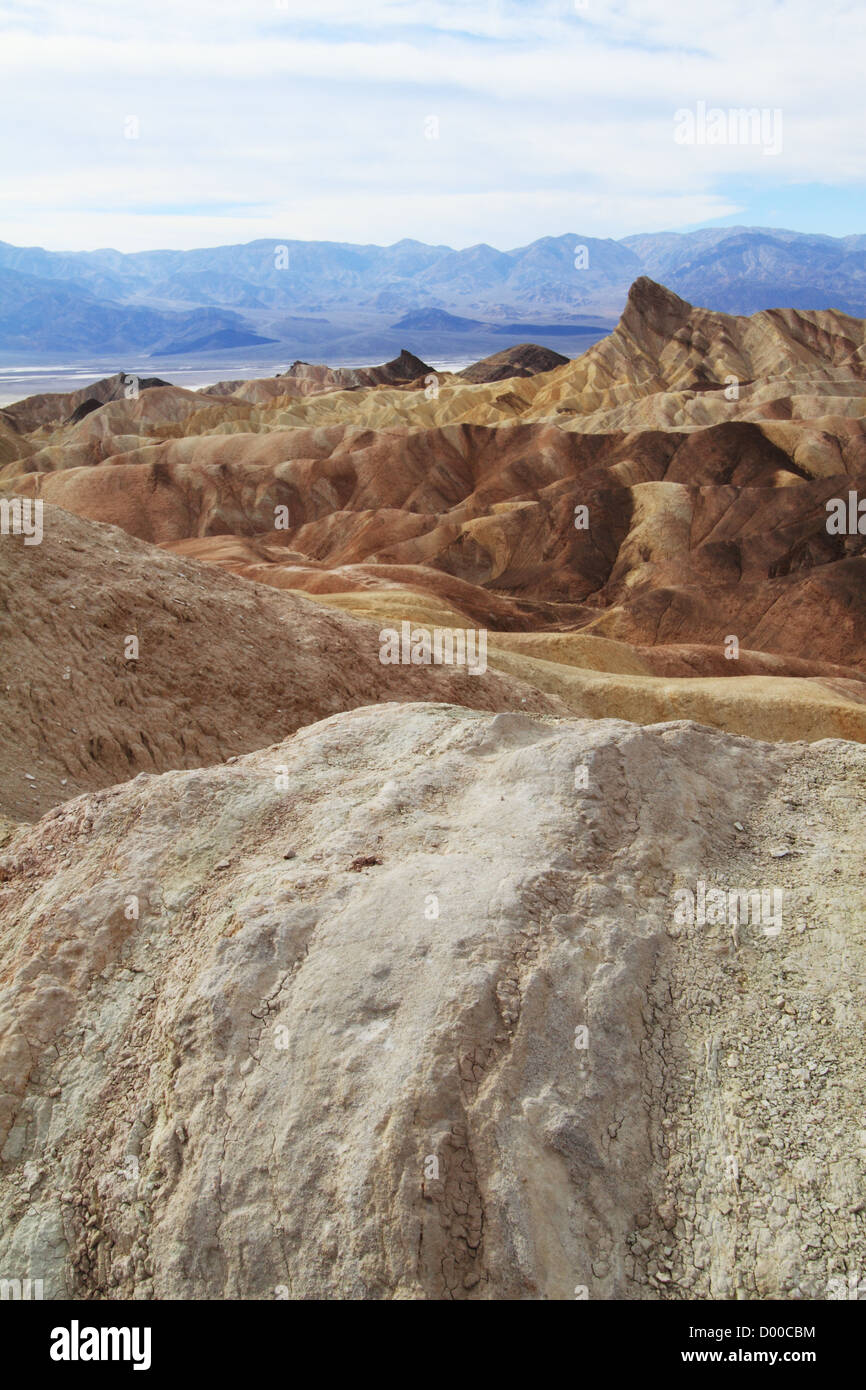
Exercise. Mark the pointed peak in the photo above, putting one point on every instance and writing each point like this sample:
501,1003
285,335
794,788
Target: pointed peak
648,295
407,365
653,307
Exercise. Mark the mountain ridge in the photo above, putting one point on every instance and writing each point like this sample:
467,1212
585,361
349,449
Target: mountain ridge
76,301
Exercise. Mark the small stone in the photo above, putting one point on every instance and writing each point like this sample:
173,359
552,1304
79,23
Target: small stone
667,1214
364,861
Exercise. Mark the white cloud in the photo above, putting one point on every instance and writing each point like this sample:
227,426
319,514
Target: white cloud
251,113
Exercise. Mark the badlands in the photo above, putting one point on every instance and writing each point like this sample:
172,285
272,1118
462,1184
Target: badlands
326,977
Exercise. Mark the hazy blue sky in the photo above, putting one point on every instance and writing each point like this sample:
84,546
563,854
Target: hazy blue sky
451,121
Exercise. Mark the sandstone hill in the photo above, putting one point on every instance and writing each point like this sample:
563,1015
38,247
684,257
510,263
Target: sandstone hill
222,666
407,1006
527,359
308,379
55,408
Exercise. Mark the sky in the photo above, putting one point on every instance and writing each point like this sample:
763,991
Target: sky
184,123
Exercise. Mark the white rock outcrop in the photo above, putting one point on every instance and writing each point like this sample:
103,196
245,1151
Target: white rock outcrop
401,1008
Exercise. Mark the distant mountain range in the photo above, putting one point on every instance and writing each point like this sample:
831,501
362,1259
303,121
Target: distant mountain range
340,300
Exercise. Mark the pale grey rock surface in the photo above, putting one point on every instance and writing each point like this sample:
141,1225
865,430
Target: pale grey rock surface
289,1077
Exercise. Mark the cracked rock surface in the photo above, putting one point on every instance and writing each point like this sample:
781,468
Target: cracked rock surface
402,1007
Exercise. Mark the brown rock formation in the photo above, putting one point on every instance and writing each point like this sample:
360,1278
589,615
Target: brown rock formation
218,667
